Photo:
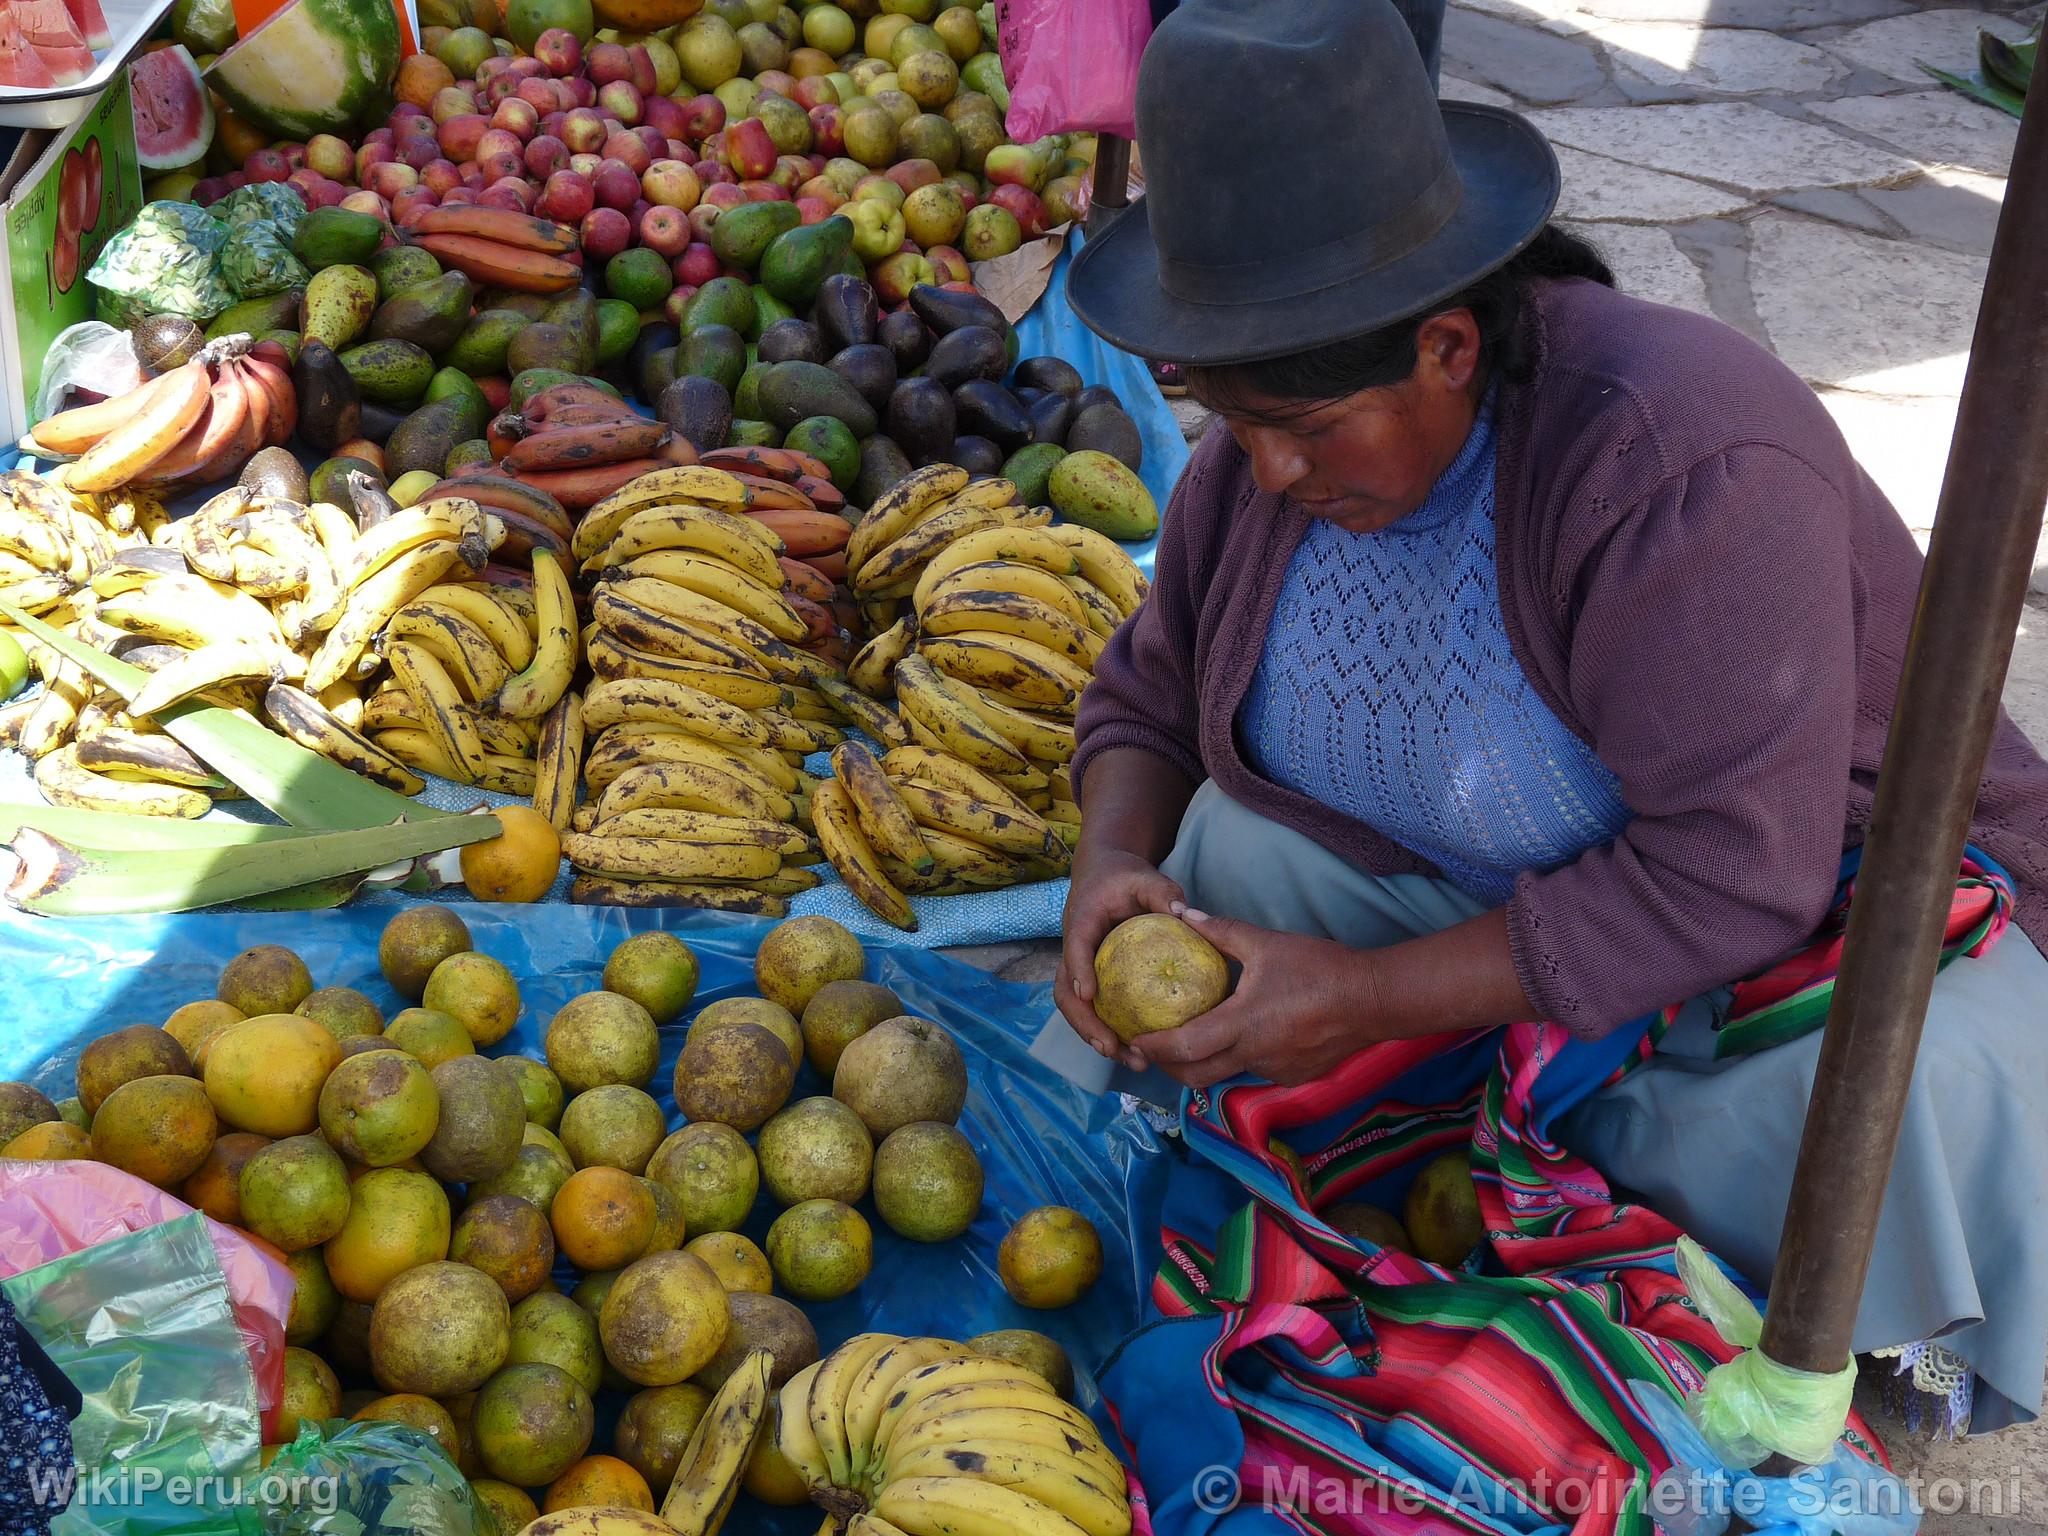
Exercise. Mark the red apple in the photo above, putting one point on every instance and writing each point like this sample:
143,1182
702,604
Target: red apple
362,200
607,62
671,184
814,91
372,155
895,277
703,116
643,75
462,194
912,174
712,150
582,93
412,202
666,230
815,210
1011,163
948,265
328,194
540,93
791,171
330,157
604,233
657,145
749,150
566,197
764,192
441,177
616,186
664,114
702,217
629,150
472,176
715,173
519,187
558,51
460,136
500,195
499,166
452,101
387,180
493,66
724,194
780,81
828,128
585,165
679,149
405,129
1024,206
546,155
529,68
549,124
419,153
621,99
499,88
302,181
697,265
584,131
500,141
402,110
378,136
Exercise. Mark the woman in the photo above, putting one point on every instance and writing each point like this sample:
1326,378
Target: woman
1520,650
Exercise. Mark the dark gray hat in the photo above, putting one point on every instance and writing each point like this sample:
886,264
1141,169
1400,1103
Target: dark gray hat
1302,184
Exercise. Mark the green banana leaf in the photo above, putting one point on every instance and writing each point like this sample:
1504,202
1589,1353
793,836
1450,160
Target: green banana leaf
2010,64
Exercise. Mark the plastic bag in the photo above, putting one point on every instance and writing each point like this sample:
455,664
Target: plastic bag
144,1326
343,1479
51,1210
257,260
262,202
168,260
90,356
1072,65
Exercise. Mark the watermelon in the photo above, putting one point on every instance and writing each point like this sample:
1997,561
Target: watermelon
20,65
91,22
317,66
173,118
48,26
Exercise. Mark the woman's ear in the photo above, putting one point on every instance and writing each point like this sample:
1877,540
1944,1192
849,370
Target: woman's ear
1447,351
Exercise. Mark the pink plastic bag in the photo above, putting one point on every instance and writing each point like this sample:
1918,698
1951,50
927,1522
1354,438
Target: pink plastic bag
49,1210
1072,65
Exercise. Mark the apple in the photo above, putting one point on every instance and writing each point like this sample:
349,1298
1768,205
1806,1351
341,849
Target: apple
302,180
382,136
412,202
715,173
878,188
990,232
607,62
616,185
679,149
585,165
566,196
460,136
948,265
500,195
501,88
644,75
622,100
463,194
912,174
529,68
500,141
1011,164
494,66
820,189
558,51
388,179
778,81
629,150
749,150
828,128
402,110
815,210
546,155
697,265
419,153
877,228
604,233
472,176
405,129
671,184
371,155
712,151
584,131
330,157
792,171
895,277
702,217
723,194
550,124
654,139
765,191
703,116
1024,207
579,92
665,115
452,101
813,92
362,200
677,304
441,177
540,93
328,194
499,166
666,230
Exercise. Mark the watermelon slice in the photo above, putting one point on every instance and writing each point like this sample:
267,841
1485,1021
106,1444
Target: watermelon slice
48,26
21,67
173,117
316,66
91,22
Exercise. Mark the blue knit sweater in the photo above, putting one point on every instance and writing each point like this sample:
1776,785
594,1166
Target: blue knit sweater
1388,691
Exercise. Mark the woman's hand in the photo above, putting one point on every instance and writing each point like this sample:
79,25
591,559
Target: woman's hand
1300,1007
1108,886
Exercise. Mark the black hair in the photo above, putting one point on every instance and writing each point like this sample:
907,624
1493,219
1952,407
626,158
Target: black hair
1386,356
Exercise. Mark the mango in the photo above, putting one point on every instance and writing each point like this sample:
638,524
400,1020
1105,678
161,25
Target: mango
1098,492
338,306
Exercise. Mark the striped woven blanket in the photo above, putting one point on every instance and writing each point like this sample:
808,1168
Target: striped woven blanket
1298,1379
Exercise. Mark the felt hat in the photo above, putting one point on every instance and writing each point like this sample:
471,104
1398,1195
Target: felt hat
1302,184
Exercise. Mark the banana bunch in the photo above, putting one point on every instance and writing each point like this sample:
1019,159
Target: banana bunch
189,426
924,1437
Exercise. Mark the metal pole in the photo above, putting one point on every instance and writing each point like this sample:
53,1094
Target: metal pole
1111,193
1971,594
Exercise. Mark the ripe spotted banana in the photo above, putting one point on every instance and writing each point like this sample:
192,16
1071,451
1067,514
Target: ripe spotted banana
885,817
533,691
477,665
683,485
873,668
1019,545
930,711
1038,737
794,1436
1105,565
941,770
995,827
231,661
961,1506
866,714
747,546
63,781
899,564
558,762
892,514
690,786
666,858
826,1404
852,856
433,690
1009,665
501,774
370,607
1012,613
710,716
725,583
700,827
497,620
868,1394
1001,578
604,891
976,1370
708,1478
305,720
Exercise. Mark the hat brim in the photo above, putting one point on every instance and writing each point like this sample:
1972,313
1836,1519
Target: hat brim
1511,184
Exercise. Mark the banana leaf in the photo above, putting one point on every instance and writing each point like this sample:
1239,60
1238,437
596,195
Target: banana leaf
113,829
301,787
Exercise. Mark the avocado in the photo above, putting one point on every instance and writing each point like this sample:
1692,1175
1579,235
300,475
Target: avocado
480,350
882,464
746,400
431,315
792,341
797,262
381,420
991,411
426,437
1050,416
390,372
655,336
922,418
870,368
454,384
905,335
1030,469
471,450
400,267
163,342
1099,492
532,305
618,327
544,344
698,410
330,405
826,438
338,305
336,237
742,235
846,313
329,482
576,313
752,434
1094,395
976,455
792,391
528,382
274,472
657,373
972,352
723,301
1107,429
255,316
947,311
290,341
713,352
768,309
1053,374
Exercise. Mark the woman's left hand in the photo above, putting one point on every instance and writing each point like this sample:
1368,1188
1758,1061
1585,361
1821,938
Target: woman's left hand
1301,1006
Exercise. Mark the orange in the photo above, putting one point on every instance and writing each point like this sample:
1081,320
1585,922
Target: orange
216,1187
265,1074
157,1128
311,1391
53,1141
188,1023
422,1413
603,1481
521,862
603,1218
396,1220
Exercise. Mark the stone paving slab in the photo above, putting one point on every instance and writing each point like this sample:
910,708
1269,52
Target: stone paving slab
1899,45
1737,145
1935,127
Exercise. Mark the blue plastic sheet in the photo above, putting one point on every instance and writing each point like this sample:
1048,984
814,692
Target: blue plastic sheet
1041,1140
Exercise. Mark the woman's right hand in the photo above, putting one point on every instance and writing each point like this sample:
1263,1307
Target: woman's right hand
1108,885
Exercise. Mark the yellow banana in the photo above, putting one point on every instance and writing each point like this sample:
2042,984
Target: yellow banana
64,782
478,666
309,722
648,643
708,1477
501,774
1105,564
1036,736
370,607
653,699
433,690
690,786
929,710
683,485
1008,1424
961,1506
604,891
942,770
497,620
1012,613
1033,546
892,513
231,661
866,714
868,1392
793,1434
699,827
885,817
533,691
722,582
457,519
735,540
792,881
558,762
667,858
1001,576
684,606
994,826
745,689
854,859
1064,1483
624,746
826,1404
915,1387
904,559
874,663
789,733
1009,665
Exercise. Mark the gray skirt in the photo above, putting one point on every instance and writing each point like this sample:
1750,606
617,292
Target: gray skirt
1962,1247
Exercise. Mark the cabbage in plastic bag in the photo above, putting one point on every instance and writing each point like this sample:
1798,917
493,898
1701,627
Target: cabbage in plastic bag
347,1478
168,260
257,261
262,202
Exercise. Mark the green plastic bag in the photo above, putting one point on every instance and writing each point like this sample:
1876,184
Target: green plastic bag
370,1479
169,259
262,202
257,261
168,1441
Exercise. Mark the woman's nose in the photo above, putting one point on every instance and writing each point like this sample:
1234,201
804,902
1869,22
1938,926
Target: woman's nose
1278,463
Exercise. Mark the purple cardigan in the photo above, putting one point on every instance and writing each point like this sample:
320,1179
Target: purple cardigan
1703,585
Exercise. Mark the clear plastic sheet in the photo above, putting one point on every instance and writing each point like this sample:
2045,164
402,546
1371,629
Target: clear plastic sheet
1041,1140
369,1478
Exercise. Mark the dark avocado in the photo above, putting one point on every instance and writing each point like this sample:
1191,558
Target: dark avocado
976,455
922,419
870,368
845,313
988,410
905,335
791,341
972,352
946,310
1053,374
698,410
